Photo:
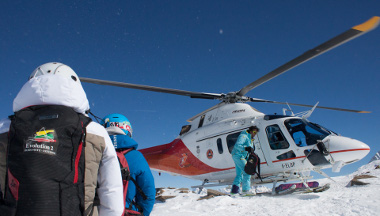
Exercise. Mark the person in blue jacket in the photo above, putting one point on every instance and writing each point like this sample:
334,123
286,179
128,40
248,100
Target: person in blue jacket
120,130
243,146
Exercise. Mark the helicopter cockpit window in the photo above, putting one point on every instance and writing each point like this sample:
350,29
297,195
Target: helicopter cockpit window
305,133
323,128
185,129
231,140
299,138
276,138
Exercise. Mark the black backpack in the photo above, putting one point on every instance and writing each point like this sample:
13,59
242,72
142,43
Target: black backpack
252,166
46,162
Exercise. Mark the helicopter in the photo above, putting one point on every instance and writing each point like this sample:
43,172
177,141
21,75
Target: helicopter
289,145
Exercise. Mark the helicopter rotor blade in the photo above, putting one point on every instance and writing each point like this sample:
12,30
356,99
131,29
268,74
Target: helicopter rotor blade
239,96
191,94
328,45
305,105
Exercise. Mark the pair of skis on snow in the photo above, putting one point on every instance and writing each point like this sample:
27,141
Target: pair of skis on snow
313,187
293,188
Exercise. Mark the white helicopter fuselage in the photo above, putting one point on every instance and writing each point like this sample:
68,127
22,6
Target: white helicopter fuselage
203,149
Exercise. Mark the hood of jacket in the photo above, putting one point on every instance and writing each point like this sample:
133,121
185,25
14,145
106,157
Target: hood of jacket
123,142
52,89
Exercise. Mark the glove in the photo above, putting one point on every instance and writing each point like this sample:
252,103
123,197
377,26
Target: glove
249,149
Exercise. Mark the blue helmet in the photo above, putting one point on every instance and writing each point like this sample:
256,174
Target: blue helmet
118,120
120,130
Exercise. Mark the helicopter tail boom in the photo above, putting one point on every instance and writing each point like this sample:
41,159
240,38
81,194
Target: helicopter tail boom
177,159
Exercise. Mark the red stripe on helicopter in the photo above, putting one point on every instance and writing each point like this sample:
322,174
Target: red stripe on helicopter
348,150
175,157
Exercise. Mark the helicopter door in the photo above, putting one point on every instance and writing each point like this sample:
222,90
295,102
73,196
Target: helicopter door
231,140
279,147
306,134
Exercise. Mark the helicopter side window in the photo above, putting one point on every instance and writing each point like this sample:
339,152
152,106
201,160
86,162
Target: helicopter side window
219,144
231,140
286,155
276,138
304,133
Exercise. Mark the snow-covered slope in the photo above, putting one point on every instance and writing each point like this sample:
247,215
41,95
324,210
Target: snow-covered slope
338,200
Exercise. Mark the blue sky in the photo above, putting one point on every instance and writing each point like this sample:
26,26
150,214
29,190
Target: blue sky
207,46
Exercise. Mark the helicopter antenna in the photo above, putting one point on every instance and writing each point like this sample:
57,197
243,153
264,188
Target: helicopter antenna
290,110
308,113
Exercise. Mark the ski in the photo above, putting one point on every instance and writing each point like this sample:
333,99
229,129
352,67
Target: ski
289,190
297,189
279,192
312,184
241,195
317,189
248,195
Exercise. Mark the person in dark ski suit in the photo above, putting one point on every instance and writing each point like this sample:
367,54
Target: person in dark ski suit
243,146
120,130
56,84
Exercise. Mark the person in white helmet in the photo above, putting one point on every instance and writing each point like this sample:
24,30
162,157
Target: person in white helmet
53,96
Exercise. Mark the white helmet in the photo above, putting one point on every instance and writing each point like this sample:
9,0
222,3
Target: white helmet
55,68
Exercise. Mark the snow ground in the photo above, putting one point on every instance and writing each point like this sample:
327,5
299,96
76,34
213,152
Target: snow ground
339,200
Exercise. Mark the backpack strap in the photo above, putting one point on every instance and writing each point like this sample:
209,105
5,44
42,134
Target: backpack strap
130,177
258,166
126,176
125,173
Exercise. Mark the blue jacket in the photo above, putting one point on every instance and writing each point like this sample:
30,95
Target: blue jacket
140,171
244,140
